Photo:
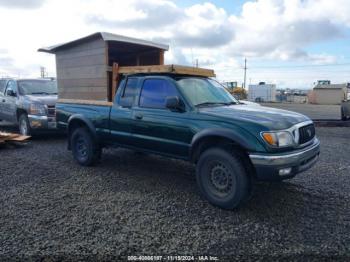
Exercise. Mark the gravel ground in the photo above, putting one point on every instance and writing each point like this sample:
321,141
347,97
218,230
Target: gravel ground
310,110
134,204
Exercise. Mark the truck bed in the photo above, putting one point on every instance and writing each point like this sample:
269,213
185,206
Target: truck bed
97,112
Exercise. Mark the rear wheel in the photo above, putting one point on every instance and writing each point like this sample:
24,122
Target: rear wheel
24,126
86,150
222,178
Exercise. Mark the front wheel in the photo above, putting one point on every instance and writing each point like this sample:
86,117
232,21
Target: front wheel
24,126
86,150
222,178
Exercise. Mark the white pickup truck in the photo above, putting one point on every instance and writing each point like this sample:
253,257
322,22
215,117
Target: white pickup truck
29,103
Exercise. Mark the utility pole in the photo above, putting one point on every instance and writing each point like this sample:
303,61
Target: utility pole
245,72
197,62
43,72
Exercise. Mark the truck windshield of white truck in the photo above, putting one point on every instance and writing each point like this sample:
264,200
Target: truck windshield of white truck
37,87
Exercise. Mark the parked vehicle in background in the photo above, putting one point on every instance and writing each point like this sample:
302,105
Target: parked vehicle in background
262,92
345,108
196,119
29,103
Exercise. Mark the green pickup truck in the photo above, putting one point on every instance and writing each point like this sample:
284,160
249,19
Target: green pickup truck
195,119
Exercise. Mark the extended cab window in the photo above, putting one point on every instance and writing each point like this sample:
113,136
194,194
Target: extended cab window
154,93
129,92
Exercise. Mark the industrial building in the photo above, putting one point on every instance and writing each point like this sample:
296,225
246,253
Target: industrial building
297,96
325,93
262,92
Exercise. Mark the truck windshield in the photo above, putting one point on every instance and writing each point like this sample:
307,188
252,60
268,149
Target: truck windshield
205,92
37,87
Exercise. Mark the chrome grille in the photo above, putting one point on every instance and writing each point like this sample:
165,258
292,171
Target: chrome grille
306,133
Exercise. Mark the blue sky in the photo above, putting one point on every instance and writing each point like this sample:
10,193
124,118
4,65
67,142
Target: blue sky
231,6
291,43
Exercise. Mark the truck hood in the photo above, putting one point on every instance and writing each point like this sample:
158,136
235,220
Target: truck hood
49,100
270,118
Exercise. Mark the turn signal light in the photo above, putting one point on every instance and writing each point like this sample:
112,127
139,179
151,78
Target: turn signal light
270,138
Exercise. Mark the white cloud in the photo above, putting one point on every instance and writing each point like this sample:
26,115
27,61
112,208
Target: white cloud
22,4
142,14
282,28
201,25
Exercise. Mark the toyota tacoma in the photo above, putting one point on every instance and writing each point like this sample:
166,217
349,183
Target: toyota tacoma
195,119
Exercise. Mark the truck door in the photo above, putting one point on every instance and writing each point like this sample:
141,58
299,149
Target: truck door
155,127
121,112
9,102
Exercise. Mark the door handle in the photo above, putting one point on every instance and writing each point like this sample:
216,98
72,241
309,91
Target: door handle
138,116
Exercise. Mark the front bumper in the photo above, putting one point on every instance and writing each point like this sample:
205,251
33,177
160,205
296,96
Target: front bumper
268,166
42,122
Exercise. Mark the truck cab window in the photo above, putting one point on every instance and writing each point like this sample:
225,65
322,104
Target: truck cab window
154,93
11,88
129,93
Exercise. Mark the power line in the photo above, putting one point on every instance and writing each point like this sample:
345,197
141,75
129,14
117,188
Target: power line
294,66
303,66
301,70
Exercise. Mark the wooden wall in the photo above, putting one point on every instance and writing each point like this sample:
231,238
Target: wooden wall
129,54
82,71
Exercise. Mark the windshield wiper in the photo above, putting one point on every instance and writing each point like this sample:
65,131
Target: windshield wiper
40,93
215,103
231,103
211,103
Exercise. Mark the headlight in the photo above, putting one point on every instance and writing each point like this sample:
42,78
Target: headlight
37,109
278,139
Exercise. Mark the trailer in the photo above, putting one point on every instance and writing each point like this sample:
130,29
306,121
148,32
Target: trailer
262,92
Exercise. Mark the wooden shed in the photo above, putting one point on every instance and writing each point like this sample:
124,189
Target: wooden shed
84,65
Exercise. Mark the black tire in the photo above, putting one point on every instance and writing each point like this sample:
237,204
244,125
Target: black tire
85,149
24,126
222,178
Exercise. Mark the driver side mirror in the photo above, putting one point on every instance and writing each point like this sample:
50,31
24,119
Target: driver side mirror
174,104
10,92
